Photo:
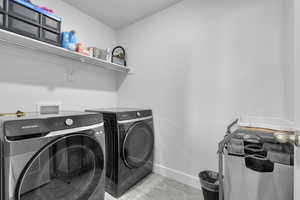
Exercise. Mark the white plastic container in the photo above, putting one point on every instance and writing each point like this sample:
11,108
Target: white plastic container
267,123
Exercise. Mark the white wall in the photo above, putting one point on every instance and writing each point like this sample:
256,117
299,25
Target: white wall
296,69
296,75
199,65
89,31
289,57
29,77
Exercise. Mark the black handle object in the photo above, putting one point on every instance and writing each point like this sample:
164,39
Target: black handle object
259,163
231,125
115,56
255,149
253,139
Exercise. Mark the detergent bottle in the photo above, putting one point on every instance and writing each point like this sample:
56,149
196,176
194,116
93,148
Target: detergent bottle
68,40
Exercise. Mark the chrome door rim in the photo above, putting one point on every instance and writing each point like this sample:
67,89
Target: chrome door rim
126,139
36,156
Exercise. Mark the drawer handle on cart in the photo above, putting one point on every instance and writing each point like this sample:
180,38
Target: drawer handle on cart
259,163
254,149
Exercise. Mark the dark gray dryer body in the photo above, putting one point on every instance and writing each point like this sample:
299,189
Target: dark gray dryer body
49,157
129,146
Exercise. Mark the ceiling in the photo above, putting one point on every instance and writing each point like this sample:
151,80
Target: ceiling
120,13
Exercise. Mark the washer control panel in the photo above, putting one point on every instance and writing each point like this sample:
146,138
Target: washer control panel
23,128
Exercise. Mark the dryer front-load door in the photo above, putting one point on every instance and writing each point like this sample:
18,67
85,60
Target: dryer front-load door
71,168
138,145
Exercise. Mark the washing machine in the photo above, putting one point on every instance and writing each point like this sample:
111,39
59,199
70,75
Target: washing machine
129,146
47,157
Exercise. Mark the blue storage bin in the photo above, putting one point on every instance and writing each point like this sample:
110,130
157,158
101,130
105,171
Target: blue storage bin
24,18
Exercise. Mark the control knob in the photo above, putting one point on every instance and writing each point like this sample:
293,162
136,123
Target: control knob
69,122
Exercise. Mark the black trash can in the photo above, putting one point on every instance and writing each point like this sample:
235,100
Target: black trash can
210,185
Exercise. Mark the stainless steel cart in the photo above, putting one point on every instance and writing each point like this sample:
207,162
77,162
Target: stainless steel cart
254,165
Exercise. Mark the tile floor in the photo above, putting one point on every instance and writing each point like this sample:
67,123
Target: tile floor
156,187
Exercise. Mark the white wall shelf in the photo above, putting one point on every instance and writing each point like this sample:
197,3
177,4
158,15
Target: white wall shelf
16,40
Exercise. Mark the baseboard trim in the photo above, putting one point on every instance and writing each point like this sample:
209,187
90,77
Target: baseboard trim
181,177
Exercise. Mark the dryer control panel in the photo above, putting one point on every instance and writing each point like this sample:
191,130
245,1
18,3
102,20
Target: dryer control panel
133,115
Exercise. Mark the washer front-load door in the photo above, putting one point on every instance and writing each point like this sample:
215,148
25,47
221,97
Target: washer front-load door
70,168
138,145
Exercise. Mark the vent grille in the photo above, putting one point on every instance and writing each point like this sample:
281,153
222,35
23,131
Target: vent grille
48,108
